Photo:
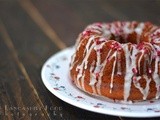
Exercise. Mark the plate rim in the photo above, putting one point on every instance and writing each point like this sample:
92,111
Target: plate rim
88,107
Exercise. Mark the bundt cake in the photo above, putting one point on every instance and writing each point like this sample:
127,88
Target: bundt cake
118,60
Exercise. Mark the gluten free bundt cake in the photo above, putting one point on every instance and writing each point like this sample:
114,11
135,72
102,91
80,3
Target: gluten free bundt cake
118,60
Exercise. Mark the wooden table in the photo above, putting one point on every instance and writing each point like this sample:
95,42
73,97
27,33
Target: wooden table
33,30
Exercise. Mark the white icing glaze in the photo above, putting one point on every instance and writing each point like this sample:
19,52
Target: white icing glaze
77,46
140,59
130,64
84,62
97,68
144,91
139,28
92,78
98,85
139,31
113,70
127,28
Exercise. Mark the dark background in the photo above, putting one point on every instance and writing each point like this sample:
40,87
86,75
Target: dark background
33,30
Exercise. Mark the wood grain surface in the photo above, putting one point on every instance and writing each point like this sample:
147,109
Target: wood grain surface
33,30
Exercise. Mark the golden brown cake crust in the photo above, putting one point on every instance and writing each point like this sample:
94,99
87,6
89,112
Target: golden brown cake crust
119,60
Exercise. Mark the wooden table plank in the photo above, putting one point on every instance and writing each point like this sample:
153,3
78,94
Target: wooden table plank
68,19
139,10
41,22
28,53
15,89
60,17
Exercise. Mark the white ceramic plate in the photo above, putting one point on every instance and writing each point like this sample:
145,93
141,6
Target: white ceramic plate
55,76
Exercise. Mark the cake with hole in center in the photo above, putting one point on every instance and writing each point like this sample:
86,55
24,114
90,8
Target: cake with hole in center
118,60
